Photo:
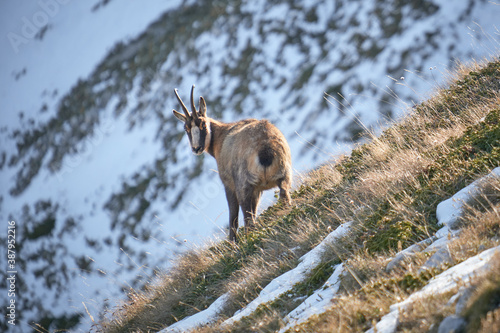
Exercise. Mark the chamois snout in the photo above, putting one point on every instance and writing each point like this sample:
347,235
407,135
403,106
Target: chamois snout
199,135
197,150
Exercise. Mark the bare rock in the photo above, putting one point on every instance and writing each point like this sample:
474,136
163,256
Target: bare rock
452,324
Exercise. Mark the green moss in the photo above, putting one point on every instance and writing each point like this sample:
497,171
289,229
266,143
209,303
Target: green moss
353,165
315,279
302,191
410,282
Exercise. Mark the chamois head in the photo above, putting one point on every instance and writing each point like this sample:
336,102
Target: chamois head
196,124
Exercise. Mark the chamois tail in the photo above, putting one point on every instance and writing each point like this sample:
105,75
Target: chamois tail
266,156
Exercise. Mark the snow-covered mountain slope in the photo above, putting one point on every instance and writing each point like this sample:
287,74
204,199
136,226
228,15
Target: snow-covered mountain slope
97,174
47,46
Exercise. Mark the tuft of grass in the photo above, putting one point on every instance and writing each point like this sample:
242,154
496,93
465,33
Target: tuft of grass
388,188
482,309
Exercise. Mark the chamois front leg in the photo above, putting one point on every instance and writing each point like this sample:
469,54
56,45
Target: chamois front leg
232,202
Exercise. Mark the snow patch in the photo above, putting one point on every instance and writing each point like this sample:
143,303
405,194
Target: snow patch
286,281
440,284
449,211
201,318
316,303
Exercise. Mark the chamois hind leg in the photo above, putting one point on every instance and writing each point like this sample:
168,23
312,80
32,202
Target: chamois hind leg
232,202
284,186
249,206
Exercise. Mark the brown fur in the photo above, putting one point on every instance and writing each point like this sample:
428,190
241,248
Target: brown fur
252,156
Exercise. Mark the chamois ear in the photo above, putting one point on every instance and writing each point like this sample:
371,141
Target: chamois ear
203,107
180,116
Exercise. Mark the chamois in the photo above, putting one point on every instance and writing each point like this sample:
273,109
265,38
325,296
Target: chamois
252,156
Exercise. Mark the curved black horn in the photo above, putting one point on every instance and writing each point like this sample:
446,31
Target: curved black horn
193,107
184,108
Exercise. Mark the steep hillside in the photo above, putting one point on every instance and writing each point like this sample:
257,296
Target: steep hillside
385,195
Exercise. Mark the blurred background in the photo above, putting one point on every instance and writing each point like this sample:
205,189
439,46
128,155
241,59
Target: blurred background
97,173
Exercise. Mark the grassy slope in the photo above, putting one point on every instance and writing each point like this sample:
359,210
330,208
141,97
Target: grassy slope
389,188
